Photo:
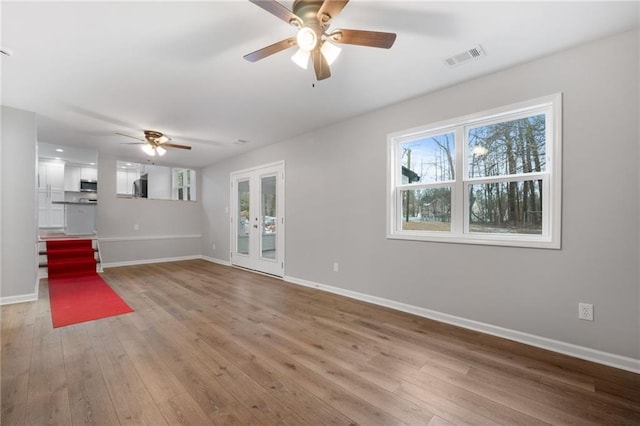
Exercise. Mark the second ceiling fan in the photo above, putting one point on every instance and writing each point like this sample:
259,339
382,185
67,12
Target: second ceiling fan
312,18
154,142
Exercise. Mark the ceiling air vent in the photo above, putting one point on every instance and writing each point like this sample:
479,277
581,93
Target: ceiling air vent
467,55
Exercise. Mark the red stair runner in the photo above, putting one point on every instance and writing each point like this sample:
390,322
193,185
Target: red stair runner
70,258
76,292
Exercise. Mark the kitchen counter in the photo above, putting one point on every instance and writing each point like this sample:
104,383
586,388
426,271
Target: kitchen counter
80,217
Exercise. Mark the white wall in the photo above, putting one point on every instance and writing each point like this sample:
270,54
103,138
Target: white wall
18,233
336,207
167,229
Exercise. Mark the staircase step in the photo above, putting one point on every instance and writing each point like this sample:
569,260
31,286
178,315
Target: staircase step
68,244
44,252
70,253
46,264
67,258
72,267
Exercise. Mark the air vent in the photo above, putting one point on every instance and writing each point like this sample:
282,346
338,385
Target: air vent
466,56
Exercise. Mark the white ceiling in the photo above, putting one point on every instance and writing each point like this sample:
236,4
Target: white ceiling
92,69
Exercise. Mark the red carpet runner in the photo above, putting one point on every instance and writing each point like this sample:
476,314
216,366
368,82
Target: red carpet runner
76,292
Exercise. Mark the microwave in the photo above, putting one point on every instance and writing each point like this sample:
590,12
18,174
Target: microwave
87,185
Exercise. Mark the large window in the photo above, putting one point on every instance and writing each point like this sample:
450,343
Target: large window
489,178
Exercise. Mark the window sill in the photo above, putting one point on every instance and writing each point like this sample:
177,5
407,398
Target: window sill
538,242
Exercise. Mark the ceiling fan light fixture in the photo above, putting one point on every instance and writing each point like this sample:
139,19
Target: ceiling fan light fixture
148,149
301,58
330,52
313,18
162,139
160,150
307,39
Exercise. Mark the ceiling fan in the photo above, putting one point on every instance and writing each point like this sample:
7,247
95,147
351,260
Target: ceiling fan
154,142
312,18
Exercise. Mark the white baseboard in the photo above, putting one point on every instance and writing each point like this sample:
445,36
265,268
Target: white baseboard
582,352
148,261
215,260
148,238
9,300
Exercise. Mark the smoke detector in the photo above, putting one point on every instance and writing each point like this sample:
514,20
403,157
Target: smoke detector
462,57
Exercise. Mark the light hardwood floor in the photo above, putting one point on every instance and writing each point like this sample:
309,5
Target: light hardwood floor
210,344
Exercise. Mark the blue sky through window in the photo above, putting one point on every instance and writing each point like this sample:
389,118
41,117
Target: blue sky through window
432,158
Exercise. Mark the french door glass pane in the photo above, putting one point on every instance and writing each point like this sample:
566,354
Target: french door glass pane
506,207
426,209
269,214
243,217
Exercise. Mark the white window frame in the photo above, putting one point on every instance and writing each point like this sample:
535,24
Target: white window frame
191,185
551,177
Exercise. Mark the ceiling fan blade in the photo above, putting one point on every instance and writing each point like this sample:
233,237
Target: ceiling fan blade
363,38
320,65
330,9
270,50
278,10
204,141
173,145
132,143
129,136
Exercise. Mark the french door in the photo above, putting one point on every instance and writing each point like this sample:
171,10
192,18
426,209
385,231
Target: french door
257,219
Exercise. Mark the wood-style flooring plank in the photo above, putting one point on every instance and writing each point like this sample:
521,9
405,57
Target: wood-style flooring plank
47,396
182,409
17,328
131,400
215,345
306,407
197,378
89,399
383,399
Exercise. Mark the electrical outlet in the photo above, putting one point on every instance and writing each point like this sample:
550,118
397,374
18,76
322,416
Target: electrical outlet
213,246
336,267
136,227
585,311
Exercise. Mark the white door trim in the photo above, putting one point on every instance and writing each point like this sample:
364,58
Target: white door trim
254,260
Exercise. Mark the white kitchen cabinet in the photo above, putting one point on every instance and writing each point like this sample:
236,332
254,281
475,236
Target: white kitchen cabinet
89,173
51,175
72,178
124,181
50,215
51,182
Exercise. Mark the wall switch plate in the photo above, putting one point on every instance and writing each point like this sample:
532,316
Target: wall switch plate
585,311
336,267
